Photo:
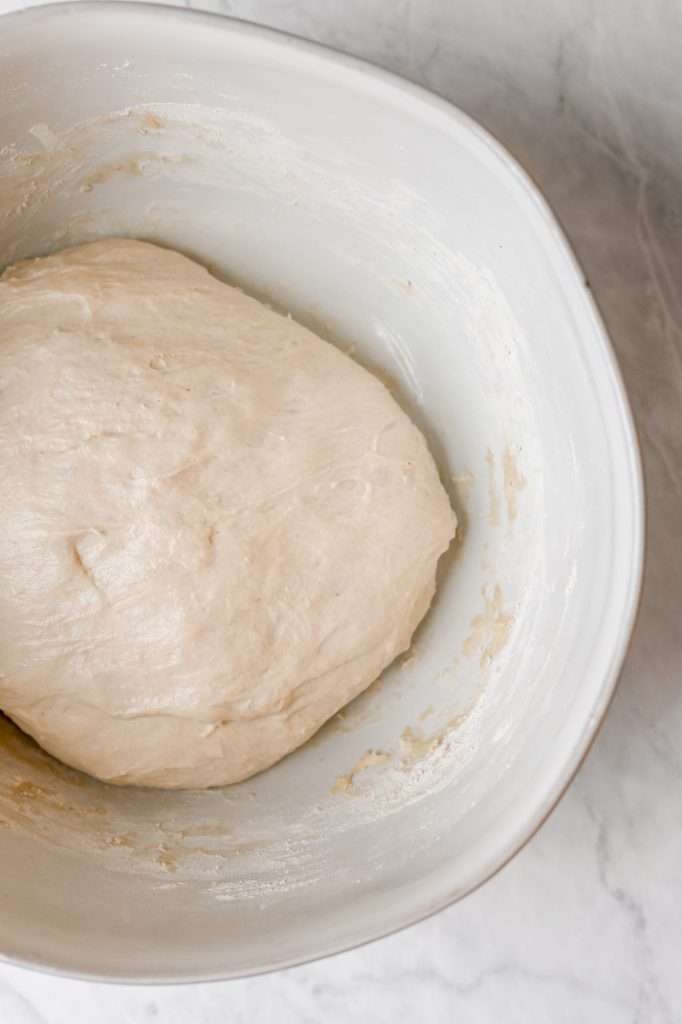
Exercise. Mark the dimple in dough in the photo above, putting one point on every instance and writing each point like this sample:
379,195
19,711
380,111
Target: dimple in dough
217,529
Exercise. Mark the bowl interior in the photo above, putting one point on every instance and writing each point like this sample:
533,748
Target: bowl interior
398,230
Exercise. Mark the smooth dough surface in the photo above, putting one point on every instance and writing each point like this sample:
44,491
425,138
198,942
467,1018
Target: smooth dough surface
217,529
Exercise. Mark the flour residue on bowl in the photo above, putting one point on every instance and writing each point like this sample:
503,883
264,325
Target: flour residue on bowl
490,629
370,759
514,482
493,498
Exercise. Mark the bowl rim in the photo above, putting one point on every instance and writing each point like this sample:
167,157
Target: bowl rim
631,451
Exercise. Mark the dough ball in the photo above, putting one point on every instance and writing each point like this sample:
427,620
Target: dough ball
217,528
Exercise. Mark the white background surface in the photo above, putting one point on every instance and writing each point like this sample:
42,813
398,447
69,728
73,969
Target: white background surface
586,923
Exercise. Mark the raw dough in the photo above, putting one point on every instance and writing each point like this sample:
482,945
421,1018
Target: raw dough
217,529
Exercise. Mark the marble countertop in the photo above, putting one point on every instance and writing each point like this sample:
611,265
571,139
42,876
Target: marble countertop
586,923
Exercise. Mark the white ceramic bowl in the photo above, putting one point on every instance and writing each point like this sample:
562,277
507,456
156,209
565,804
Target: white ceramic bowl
389,222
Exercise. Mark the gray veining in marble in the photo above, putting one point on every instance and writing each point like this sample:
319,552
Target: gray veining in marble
586,923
